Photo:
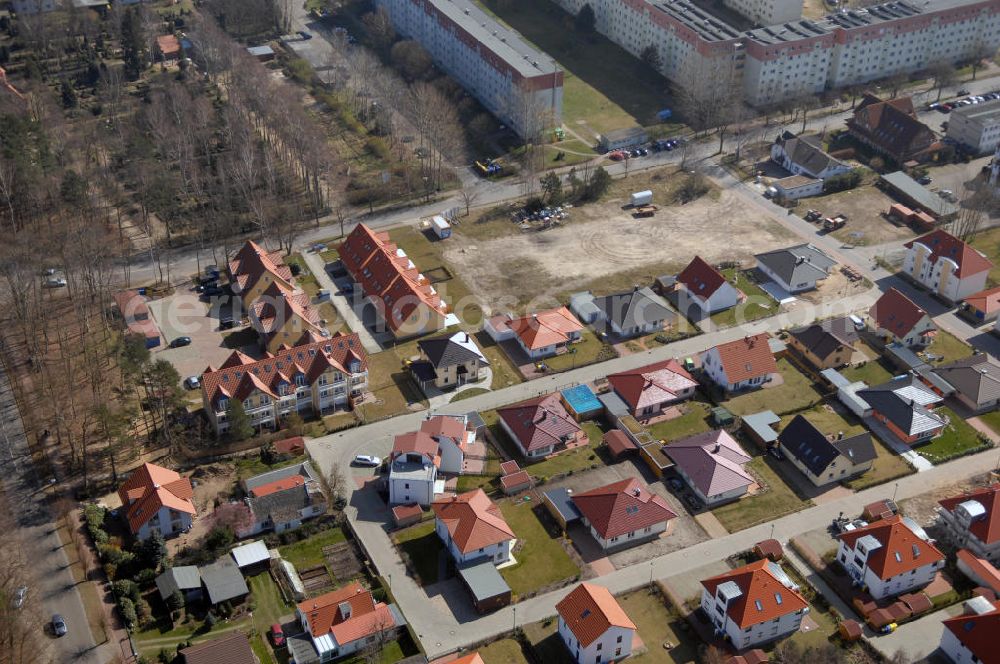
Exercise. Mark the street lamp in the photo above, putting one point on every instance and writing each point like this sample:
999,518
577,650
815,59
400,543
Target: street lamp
515,620
650,572
895,487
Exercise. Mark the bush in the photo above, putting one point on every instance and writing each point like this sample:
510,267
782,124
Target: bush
127,608
842,182
378,147
145,576
125,588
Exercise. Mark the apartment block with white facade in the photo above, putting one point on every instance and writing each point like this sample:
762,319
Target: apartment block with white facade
946,265
519,84
972,521
977,127
767,12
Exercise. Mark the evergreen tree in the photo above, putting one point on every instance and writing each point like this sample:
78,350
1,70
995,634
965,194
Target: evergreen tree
133,45
240,427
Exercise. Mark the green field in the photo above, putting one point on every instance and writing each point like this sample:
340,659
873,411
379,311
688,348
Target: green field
694,420
958,438
588,350
795,393
541,560
309,552
758,304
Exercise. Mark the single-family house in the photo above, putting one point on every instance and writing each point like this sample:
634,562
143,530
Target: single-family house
281,501
740,364
185,579
157,499
314,377
795,269
982,307
705,287
438,446
403,297
231,648
649,389
891,128
903,405
448,361
168,49
342,622
971,638
972,521
975,379
825,344
623,513
804,155
713,465
753,604
541,426
946,265
823,458
223,581
897,318
253,269
540,334
624,315
594,626
472,528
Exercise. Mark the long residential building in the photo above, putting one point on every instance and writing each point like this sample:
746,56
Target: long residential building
789,58
519,84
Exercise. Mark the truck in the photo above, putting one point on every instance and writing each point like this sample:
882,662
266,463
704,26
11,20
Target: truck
440,226
833,223
641,198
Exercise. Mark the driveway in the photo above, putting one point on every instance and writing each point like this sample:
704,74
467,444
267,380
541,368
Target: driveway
340,302
917,640
896,445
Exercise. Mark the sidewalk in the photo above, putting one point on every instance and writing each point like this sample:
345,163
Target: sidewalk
343,307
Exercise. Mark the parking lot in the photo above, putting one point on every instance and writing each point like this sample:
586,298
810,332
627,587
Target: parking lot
684,530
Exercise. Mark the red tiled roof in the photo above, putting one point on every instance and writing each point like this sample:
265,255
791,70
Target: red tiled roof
509,467
590,610
983,569
416,442
391,280
151,487
277,305
746,358
896,313
278,485
402,512
987,301
539,422
986,529
252,262
651,384
232,648
901,551
366,616
545,328
240,375
700,278
760,588
769,548
892,125
945,245
519,478
293,445
618,443
978,633
168,45
622,507
445,425
473,520
474,658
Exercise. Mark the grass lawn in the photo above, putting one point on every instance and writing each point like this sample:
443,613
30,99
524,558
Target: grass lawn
949,347
827,421
581,458
777,501
505,373
309,552
149,642
992,420
758,304
541,560
270,604
988,242
250,466
469,393
574,151
826,624
504,651
957,438
391,385
795,393
872,372
657,624
424,547
694,420
588,350
888,466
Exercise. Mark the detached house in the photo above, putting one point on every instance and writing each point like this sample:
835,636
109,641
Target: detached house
753,604
972,521
825,459
903,406
403,297
713,465
313,378
594,626
897,318
976,380
472,528
448,362
282,499
156,499
341,623
253,269
971,638
795,269
982,307
649,389
541,426
827,344
888,557
946,265
891,128
804,155
741,364
539,335
440,445
624,315
623,513
705,287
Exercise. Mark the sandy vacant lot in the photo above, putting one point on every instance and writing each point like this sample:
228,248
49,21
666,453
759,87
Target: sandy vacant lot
604,240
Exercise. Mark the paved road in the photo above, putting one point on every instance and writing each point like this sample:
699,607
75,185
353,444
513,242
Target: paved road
51,583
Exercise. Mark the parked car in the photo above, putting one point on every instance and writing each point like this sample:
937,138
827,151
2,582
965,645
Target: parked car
926,179
59,625
49,271
180,341
227,323
54,282
812,215
617,155
277,635
19,596
192,382
319,247
305,35
962,92
368,460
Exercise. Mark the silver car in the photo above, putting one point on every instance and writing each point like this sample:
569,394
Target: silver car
19,596
59,625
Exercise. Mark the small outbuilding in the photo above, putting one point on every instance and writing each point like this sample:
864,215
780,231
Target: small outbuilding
581,402
619,445
770,549
850,630
559,503
488,589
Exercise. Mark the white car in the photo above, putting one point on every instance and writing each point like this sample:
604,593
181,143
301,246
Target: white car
54,282
19,596
192,382
368,460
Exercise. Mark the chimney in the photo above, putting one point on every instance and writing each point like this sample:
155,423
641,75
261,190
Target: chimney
716,449
345,610
635,287
466,337
637,492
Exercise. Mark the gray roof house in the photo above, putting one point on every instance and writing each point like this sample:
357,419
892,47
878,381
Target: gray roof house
804,155
976,380
826,459
902,405
797,268
223,581
304,469
448,361
285,501
186,579
624,315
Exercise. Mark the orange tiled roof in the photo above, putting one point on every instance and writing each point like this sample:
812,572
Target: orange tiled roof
901,551
473,520
622,507
545,328
366,616
278,485
151,487
277,305
760,591
474,658
252,262
590,610
986,529
987,301
746,358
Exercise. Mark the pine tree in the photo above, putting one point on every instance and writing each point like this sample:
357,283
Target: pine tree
240,427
